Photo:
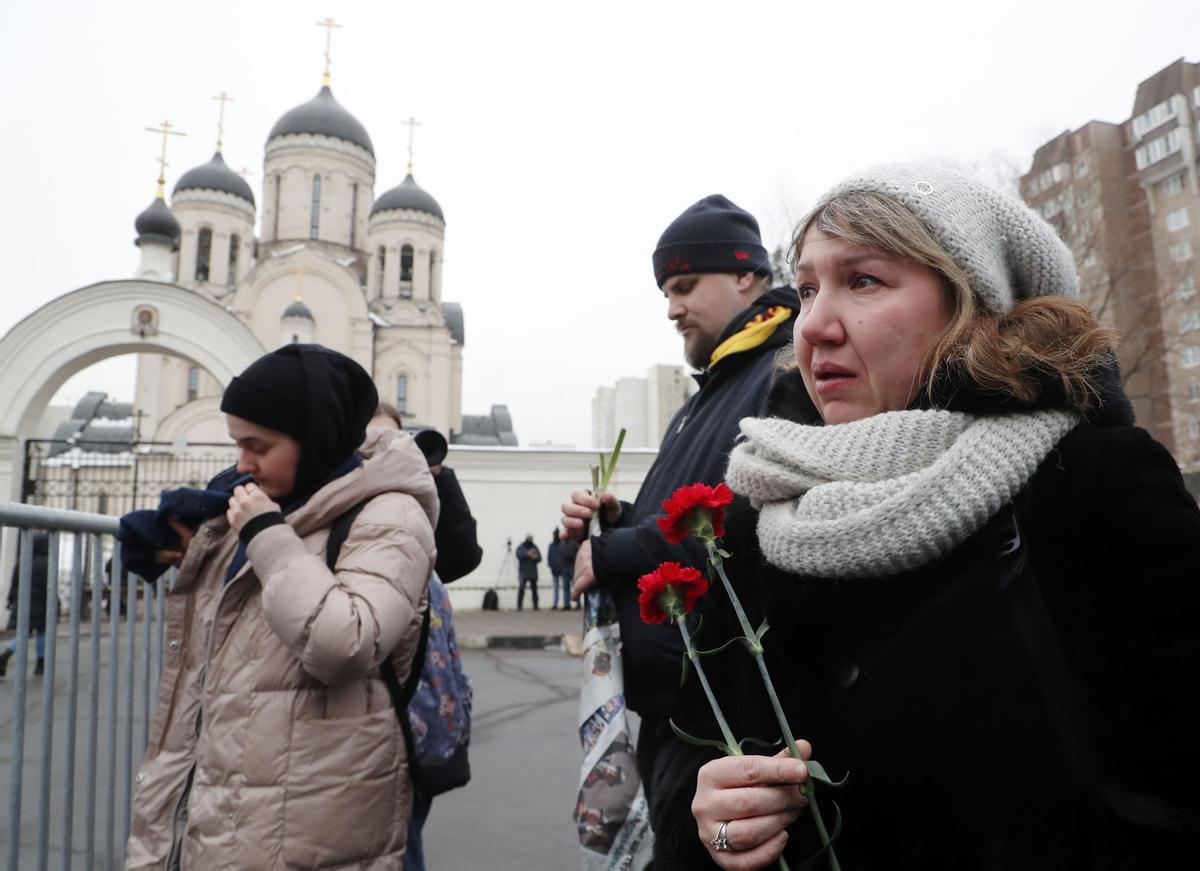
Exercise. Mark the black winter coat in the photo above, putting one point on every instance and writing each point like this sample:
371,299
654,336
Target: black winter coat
921,687
696,448
37,593
458,550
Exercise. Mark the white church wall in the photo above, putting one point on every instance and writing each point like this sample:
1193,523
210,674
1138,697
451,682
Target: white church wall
227,216
393,230
514,491
291,162
422,353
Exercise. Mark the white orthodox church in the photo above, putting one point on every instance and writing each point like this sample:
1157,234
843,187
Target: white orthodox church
333,263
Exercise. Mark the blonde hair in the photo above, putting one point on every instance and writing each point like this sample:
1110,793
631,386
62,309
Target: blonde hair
1004,353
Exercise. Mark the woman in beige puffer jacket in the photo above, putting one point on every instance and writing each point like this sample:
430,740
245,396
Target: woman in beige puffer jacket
274,743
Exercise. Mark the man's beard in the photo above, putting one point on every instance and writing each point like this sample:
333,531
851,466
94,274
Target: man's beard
700,351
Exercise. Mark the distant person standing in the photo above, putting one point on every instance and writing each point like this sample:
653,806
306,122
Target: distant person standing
528,557
37,603
568,549
555,562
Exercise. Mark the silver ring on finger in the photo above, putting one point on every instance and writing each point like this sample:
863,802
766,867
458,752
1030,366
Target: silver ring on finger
721,842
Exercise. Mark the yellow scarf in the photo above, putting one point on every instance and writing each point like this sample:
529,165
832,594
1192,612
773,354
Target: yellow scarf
759,328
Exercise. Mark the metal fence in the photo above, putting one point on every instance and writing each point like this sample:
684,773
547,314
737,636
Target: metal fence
114,478
78,740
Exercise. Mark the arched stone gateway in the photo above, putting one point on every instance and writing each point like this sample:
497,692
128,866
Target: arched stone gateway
100,321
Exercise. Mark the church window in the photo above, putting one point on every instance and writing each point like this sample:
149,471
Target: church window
203,253
402,394
193,389
315,219
235,242
353,210
406,270
432,274
382,261
278,185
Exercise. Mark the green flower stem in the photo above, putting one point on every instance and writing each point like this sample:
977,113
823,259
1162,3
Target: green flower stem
735,748
756,650
727,733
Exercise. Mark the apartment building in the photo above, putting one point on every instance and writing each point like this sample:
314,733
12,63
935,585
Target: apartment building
1126,198
641,406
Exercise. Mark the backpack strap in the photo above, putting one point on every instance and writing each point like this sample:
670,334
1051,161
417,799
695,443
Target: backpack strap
400,696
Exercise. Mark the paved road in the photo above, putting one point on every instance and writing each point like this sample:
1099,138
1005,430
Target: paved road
515,813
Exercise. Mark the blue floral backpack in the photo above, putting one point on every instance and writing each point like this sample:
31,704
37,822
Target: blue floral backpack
434,705
439,713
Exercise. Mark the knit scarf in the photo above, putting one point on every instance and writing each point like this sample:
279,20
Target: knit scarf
884,495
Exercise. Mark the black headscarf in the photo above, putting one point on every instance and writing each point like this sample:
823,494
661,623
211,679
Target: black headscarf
319,397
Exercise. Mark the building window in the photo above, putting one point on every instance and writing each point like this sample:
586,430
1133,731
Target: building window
1194,391
432,273
1196,96
314,220
402,394
1177,219
1147,121
1194,428
1173,186
275,217
1081,169
1189,321
1181,251
353,210
1191,356
235,242
382,261
1185,288
1161,147
193,383
406,270
203,253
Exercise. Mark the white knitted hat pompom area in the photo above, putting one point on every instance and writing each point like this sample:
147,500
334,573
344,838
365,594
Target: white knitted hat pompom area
1007,250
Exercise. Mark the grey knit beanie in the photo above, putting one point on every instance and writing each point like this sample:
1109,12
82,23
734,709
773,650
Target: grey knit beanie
1006,249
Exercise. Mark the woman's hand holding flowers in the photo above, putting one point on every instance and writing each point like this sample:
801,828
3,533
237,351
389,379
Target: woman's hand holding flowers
758,797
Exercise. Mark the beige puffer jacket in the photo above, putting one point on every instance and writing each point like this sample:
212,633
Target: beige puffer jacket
274,743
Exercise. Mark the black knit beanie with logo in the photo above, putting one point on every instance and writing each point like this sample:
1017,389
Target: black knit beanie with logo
713,235
319,397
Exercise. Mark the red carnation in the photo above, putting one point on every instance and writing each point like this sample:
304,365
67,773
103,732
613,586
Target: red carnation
670,591
690,507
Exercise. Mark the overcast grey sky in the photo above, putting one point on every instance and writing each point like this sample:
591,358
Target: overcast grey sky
560,138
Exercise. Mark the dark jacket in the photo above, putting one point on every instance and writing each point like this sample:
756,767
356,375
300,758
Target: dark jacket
696,448
528,556
568,550
554,557
37,593
923,689
458,550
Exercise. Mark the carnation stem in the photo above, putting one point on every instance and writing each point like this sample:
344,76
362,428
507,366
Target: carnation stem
755,646
735,748
727,733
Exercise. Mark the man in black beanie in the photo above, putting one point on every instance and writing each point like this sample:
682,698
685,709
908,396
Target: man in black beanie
715,274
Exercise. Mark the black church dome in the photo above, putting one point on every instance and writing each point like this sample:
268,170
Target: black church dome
157,224
215,176
325,116
408,195
298,310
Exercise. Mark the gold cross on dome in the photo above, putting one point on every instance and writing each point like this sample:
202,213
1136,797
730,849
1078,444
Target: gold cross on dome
221,98
330,25
412,124
165,129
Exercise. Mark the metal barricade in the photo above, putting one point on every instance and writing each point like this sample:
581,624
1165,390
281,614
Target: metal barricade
67,806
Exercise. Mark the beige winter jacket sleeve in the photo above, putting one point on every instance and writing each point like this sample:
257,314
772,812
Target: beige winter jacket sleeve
343,625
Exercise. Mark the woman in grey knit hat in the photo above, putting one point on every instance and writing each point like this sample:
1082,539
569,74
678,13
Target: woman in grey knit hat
982,579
